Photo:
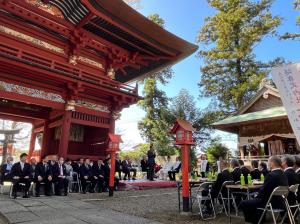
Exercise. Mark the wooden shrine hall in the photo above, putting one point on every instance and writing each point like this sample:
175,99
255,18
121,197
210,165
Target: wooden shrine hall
65,66
262,126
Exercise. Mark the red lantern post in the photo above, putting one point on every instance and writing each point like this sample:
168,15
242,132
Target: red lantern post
184,138
113,147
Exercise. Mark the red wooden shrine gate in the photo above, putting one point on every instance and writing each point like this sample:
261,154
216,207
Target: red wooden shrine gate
64,65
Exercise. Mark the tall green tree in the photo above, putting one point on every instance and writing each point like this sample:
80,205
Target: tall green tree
294,35
155,126
231,73
217,150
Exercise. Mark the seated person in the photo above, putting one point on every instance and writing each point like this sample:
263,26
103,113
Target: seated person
274,179
85,172
21,173
43,174
204,165
245,171
127,168
59,177
5,170
33,164
288,163
164,172
118,168
107,166
255,173
69,173
175,169
77,165
98,175
236,172
263,169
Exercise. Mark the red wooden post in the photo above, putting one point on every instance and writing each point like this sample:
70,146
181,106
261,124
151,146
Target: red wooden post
112,173
65,132
185,177
46,140
32,143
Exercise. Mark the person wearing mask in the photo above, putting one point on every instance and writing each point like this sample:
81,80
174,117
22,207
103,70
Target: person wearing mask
274,179
60,177
21,173
43,174
236,172
85,172
255,173
204,165
175,169
5,170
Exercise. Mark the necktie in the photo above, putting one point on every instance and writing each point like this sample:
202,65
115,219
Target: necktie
61,171
45,168
22,166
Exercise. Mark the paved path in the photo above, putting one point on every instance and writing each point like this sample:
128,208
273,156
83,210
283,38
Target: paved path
65,210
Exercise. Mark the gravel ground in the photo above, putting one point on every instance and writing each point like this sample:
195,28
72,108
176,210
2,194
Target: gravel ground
156,204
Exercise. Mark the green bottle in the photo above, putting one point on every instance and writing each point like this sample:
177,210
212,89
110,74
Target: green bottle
242,179
249,179
262,178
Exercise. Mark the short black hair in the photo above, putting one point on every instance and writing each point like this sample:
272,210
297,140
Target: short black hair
241,162
254,163
234,163
289,160
23,154
263,165
297,161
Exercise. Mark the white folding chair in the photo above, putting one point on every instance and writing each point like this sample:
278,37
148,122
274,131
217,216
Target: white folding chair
224,200
294,190
202,199
279,192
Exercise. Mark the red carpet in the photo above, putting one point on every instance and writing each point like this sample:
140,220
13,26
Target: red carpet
145,184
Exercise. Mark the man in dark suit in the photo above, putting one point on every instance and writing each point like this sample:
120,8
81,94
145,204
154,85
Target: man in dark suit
43,174
236,172
5,170
77,165
274,179
255,173
98,174
107,165
151,162
245,171
20,173
125,168
288,163
118,167
59,177
85,172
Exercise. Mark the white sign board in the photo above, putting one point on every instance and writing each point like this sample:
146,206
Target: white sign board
287,80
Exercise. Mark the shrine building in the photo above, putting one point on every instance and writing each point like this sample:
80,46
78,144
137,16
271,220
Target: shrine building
66,65
262,126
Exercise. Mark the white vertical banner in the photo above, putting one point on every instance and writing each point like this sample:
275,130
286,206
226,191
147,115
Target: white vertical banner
287,80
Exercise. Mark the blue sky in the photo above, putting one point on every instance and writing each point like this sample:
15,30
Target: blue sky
185,18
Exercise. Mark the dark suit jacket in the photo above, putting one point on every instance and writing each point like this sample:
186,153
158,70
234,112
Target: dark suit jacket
265,172
255,174
118,165
4,173
236,174
97,170
274,179
245,171
221,178
85,171
144,165
42,171
151,157
56,171
106,171
76,167
17,171
125,165
298,195
293,179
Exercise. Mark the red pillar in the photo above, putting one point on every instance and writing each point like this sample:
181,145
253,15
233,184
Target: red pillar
65,133
185,177
32,143
46,139
112,173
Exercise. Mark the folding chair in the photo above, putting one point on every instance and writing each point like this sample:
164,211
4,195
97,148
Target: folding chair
224,200
202,199
282,192
294,190
75,182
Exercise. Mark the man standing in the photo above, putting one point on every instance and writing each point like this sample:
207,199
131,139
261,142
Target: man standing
204,165
151,162
59,175
43,174
20,173
274,179
5,170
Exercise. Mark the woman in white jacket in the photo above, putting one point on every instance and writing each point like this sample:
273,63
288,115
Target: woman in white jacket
166,168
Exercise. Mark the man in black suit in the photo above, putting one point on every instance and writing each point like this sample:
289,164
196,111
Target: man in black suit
5,170
85,172
151,162
236,172
77,165
245,171
255,173
288,163
43,174
98,174
274,179
107,165
59,177
20,173
118,167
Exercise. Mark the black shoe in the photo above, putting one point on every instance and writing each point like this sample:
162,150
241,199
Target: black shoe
47,194
14,196
26,196
37,195
66,194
